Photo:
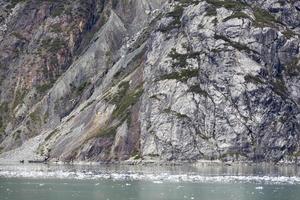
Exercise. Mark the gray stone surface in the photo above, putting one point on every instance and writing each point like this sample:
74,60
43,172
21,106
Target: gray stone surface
153,80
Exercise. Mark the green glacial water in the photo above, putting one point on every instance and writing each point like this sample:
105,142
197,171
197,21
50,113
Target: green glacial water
54,189
45,182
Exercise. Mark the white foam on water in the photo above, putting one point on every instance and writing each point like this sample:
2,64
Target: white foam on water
157,182
155,178
44,172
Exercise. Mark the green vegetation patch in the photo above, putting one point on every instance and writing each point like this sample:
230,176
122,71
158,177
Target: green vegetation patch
122,90
43,88
2,127
123,101
19,96
182,75
198,90
289,33
263,18
253,79
296,154
56,28
34,116
82,87
51,135
4,116
236,45
239,15
136,154
78,90
180,60
17,135
19,36
279,87
87,105
177,114
128,100
53,45
293,68
13,3
137,157
107,132
187,2
57,10
56,45
203,136
176,14
228,4
211,11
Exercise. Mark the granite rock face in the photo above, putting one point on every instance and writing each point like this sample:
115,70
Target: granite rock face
153,80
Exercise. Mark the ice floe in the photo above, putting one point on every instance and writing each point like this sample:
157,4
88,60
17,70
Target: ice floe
158,177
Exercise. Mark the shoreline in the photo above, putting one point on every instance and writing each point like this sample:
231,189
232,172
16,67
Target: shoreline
198,163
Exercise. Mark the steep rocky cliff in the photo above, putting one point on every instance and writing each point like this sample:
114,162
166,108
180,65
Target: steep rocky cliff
184,80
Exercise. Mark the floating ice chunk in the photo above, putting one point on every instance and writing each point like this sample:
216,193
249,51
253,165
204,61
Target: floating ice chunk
259,188
42,172
157,182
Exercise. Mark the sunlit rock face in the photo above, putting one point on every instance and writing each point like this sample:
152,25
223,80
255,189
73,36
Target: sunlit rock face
150,80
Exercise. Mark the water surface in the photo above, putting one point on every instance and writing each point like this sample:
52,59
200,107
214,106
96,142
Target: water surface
263,182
